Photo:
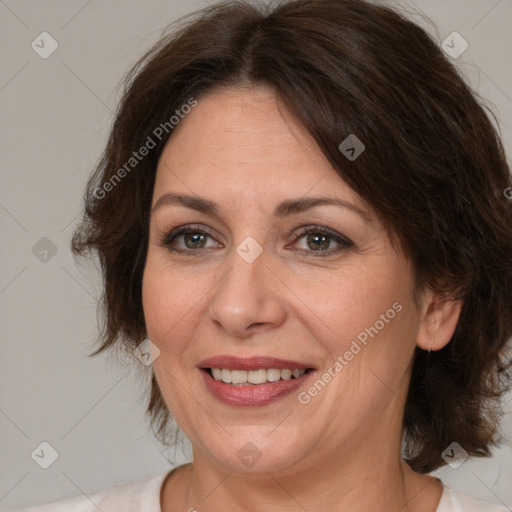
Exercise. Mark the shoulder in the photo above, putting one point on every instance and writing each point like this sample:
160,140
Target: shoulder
136,496
458,501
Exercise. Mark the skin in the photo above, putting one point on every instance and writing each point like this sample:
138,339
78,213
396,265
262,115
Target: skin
242,149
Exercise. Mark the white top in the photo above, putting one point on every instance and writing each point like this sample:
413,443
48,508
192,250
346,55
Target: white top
144,496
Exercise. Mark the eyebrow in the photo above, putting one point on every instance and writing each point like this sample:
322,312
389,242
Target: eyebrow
283,209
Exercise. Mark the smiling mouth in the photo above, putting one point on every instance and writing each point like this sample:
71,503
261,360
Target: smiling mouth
255,377
253,381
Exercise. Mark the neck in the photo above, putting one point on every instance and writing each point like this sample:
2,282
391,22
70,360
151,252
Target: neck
359,479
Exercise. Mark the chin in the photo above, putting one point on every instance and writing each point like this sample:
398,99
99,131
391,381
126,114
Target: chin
254,451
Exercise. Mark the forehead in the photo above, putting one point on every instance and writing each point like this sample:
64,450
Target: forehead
246,143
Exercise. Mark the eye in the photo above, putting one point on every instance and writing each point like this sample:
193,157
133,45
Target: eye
188,239
319,241
310,241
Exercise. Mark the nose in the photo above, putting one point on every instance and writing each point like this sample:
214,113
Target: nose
249,299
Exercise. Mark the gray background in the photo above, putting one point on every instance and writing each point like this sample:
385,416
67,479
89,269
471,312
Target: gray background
55,114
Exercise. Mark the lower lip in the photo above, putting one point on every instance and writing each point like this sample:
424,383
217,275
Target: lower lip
252,395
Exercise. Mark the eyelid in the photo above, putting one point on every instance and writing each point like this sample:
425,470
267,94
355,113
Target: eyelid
343,242
314,228
185,228
168,237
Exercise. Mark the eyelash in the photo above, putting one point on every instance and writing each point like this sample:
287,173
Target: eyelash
344,243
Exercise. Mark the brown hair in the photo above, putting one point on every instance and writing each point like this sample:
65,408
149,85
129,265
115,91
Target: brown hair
434,169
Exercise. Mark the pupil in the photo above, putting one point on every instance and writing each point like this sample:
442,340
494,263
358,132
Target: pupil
320,242
195,240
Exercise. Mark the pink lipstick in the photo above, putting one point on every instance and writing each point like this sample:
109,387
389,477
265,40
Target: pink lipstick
252,381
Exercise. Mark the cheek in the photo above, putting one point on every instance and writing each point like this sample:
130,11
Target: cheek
170,310
364,315
345,303
170,302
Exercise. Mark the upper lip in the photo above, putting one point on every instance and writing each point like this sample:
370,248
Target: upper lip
251,363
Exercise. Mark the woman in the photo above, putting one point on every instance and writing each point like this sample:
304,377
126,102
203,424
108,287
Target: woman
301,221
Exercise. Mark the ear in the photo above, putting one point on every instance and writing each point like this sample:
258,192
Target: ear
438,319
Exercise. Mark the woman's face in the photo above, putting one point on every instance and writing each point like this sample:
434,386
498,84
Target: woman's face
263,263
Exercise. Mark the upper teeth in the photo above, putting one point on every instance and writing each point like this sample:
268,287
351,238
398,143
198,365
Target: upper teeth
254,376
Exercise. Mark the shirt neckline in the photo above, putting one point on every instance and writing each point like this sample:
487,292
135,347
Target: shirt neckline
156,503
156,497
